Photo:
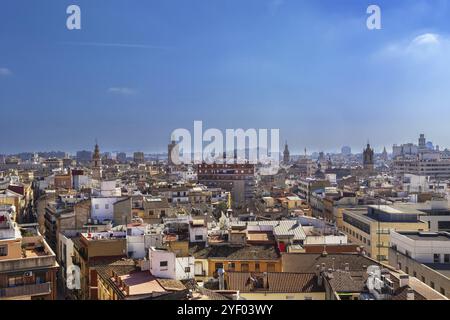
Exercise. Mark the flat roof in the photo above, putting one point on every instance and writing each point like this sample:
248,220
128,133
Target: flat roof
427,236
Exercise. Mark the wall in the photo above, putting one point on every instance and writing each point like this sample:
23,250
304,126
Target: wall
105,210
155,257
420,271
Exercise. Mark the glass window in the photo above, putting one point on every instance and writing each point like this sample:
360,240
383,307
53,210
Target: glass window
446,258
3,251
436,258
244,267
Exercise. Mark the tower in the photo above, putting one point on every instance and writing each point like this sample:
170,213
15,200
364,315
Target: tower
422,142
286,155
96,163
384,155
172,153
368,158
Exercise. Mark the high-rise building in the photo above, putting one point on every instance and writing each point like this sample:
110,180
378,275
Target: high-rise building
138,157
239,179
121,157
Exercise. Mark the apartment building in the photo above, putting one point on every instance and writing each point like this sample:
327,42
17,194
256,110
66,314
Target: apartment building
423,255
28,265
370,228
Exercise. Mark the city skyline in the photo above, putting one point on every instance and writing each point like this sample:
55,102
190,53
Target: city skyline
310,68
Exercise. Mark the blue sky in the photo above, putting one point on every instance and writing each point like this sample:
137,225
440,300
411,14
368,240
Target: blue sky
139,69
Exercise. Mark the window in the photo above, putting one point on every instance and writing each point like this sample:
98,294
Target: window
442,291
187,270
257,267
423,279
218,266
407,270
446,258
432,284
163,264
244,267
15,281
199,237
3,251
231,266
97,207
436,258
415,274
151,212
107,206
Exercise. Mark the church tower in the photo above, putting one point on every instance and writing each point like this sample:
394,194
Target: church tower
286,155
97,164
172,152
368,158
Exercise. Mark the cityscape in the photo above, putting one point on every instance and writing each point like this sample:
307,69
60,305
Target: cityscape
364,225
317,167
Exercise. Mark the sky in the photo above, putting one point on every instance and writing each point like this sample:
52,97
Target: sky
139,69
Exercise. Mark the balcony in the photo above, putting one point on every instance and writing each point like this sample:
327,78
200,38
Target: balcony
26,290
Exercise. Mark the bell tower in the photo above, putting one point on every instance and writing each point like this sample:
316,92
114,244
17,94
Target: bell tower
96,163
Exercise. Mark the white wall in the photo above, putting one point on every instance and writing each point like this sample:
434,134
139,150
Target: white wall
156,257
102,208
136,247
181,264
422,250
198,231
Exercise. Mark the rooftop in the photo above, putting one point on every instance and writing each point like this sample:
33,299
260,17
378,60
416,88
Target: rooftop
276,282
426,236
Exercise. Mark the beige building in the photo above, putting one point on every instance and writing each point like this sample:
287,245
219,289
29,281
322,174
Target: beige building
371,228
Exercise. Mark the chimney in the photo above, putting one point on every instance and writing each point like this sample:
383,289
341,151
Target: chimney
266,280
221,279
404,280
410,294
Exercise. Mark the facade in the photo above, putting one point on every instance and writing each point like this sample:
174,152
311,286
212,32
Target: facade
238,179
94,249
28,265
423,255
248,258
370,229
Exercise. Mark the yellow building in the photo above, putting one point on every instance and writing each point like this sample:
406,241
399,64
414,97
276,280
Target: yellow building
371,228
246,258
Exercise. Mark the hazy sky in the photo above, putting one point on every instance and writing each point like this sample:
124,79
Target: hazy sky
138,69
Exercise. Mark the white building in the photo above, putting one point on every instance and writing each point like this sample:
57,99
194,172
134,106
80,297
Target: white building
198,230
165,264
424,247
102,208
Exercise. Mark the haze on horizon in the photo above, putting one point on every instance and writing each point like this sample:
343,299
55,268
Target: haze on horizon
137,71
